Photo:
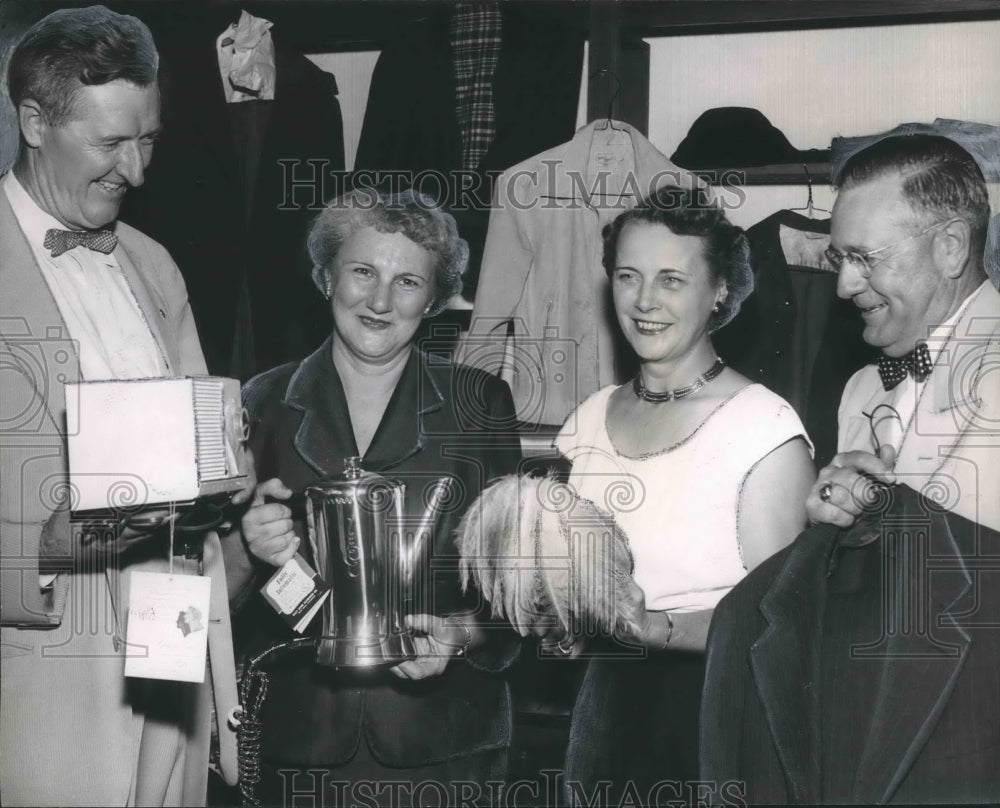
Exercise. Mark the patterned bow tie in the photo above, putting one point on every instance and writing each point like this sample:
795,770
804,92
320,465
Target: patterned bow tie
892,370
59,241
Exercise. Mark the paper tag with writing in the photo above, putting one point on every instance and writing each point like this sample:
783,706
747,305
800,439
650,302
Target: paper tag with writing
167,631
296,592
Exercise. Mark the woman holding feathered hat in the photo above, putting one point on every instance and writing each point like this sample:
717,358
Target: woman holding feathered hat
706,474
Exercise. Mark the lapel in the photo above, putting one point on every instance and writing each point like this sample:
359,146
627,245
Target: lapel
920,667
138,267
325,436
915,682
950,403
785,661
27,302
32,302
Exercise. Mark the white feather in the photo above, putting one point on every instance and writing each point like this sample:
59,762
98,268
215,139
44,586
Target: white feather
539,553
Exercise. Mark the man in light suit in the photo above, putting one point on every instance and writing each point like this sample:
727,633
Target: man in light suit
862,664
85,297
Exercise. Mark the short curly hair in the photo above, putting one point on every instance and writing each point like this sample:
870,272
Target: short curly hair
691,212
76,47
409,212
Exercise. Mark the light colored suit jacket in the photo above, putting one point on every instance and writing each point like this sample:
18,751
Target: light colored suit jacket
951,449
73,729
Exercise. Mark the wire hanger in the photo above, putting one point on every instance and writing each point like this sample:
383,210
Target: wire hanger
810,208
608,122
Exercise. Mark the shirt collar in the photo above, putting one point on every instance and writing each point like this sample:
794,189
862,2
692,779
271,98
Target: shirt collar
33,220
939,337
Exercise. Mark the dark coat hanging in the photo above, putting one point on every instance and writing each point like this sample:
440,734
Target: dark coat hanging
218,198
411,125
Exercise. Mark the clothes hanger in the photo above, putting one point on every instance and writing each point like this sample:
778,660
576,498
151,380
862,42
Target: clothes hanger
608,122
614,131
810,208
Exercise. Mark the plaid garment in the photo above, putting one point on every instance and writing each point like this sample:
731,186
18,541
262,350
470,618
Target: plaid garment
475,44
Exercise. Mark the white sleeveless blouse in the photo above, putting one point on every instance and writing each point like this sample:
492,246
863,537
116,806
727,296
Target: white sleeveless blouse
680,506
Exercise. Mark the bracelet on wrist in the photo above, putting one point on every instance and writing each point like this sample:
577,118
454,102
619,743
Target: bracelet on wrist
670,631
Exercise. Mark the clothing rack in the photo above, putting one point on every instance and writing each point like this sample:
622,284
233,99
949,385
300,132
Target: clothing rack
618,30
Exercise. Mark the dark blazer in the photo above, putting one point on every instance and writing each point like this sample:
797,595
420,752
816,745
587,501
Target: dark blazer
410,122
442,419
934,731
222,233
766,341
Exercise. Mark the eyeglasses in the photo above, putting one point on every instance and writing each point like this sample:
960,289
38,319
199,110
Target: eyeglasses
862,260
880,424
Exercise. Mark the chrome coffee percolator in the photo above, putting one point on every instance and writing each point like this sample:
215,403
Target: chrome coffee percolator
368,552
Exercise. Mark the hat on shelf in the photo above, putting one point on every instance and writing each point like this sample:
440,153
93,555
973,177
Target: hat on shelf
734,137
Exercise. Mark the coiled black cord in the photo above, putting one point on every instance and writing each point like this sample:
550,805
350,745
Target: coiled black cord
253,692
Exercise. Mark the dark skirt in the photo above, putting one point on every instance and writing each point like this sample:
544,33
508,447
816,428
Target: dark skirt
634,732
475,779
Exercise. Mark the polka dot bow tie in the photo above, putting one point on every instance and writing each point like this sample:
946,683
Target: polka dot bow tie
893,369
59,241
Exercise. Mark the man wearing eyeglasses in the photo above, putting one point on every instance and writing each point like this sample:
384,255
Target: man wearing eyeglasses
907,238
862,664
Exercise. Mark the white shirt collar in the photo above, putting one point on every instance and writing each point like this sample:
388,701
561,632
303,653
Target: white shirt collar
33,220
939,337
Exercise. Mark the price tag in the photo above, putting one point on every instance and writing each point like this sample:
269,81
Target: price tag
167,631
296,592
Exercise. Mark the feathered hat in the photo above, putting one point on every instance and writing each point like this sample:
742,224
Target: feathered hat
538,552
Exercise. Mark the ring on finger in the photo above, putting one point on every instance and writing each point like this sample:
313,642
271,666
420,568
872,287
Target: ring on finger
566,649
826,492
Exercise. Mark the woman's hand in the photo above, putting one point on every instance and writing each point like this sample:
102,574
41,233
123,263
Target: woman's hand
267,526
562,643
437,639
651,629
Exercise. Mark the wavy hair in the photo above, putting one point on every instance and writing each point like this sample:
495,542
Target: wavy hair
409,212
76,47
691,212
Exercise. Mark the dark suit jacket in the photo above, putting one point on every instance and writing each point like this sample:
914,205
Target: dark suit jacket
443,419
410,122
196,202
763,341
934,731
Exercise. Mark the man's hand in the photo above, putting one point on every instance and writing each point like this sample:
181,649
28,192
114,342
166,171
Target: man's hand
244,494
267,526
847,486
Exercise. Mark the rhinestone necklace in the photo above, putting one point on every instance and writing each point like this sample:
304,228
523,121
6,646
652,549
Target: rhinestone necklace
680,392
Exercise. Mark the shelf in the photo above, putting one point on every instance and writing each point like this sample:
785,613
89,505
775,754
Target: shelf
778,174
650,19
